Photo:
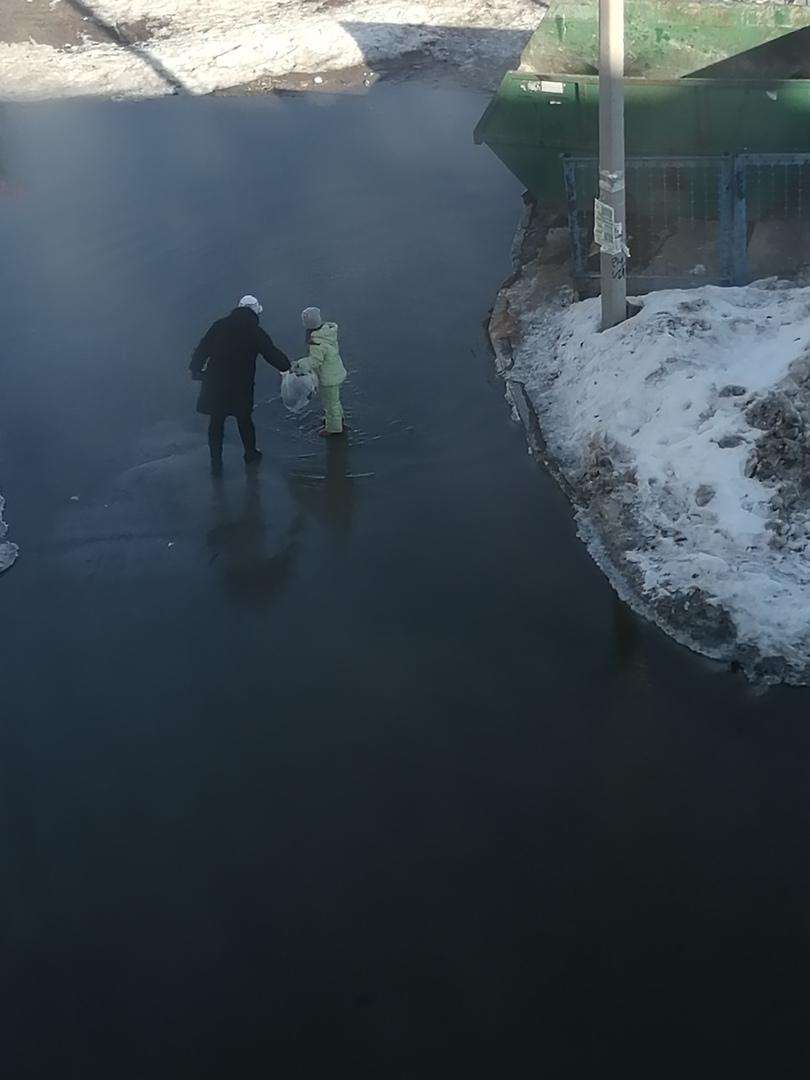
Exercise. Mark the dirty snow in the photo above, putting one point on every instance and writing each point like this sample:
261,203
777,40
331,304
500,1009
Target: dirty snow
200,46
680,407
8,551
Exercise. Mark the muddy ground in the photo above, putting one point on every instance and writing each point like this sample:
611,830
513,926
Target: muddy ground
480,75
62,24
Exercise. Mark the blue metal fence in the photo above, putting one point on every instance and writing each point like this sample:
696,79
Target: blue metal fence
690,219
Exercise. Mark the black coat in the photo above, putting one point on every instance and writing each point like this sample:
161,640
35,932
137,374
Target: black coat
225,359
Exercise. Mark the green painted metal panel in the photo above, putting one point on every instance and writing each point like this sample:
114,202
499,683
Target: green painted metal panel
664,39
535,119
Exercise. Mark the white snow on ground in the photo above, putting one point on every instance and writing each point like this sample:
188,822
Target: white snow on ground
206,45
8,551
666,397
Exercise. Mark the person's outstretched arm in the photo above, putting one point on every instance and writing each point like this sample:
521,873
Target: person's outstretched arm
311,364
271,353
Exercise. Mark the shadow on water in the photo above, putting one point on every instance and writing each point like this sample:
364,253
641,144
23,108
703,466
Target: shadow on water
254,573
330,496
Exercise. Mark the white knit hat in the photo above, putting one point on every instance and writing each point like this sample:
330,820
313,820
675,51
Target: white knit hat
311,318
252,303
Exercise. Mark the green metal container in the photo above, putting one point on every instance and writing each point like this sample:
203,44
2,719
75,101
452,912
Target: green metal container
550,106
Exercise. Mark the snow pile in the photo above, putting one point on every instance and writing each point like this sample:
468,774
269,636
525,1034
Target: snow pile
685,435
8,551
199,46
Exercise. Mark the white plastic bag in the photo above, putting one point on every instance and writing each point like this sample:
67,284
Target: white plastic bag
296,390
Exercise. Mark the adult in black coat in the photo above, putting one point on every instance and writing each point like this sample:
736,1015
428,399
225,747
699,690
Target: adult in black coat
225,361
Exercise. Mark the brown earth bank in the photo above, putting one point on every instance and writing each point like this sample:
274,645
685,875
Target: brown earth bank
61,25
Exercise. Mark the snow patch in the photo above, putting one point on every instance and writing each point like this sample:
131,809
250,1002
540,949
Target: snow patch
685,433
200,46
8,551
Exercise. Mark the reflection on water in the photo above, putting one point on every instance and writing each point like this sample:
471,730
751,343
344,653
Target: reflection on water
631,658
252,540
330,495
255,565
626,634
339,494
256,559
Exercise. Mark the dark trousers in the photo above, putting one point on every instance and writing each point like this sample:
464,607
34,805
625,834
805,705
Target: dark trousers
216,432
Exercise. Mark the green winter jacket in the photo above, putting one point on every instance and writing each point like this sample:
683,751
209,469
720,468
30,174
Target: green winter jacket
324,357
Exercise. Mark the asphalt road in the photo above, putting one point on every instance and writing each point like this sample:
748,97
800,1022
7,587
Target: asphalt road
353,766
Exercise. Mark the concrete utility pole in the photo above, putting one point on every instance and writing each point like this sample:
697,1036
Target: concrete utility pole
611,159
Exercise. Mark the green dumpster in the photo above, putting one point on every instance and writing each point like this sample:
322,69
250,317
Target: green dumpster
703,78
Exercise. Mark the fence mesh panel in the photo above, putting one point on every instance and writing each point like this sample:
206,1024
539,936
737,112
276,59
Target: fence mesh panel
676,217
694,220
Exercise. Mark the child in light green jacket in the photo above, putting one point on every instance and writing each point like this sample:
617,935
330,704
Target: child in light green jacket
324,362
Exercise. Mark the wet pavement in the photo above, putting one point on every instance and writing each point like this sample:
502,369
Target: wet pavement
355,765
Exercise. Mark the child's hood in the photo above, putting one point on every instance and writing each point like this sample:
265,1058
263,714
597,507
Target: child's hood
326,334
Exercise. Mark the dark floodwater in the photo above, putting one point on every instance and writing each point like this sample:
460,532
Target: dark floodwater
357,767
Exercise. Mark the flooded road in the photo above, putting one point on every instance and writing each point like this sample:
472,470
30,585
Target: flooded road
354,765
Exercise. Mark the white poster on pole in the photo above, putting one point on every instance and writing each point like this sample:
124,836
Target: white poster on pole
606,234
